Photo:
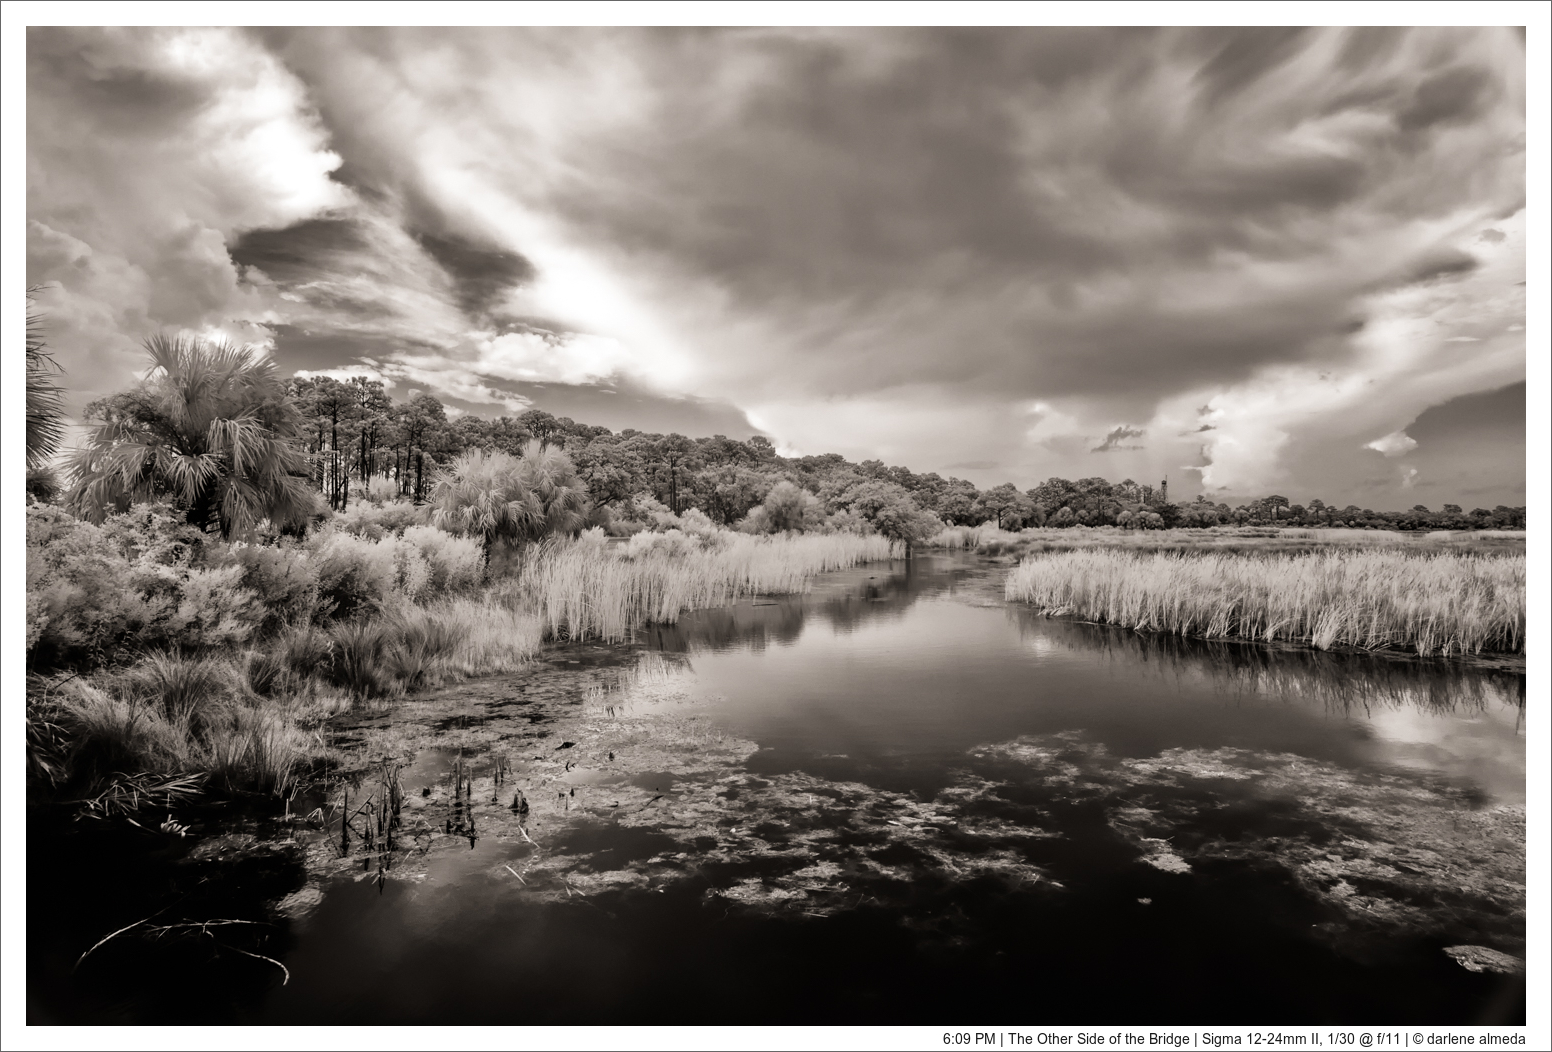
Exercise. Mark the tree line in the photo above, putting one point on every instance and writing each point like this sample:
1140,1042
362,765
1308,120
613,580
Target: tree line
219,430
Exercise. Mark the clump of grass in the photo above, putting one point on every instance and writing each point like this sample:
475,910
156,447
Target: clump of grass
957,538
181,688
360,654
489,636
1444,603
113,734
254,748
122,737
585,591
415,647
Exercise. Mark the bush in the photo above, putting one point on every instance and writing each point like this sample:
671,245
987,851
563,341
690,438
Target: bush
284,581
455,564
381,490
376,521
356,575
673,543
99,594
786,508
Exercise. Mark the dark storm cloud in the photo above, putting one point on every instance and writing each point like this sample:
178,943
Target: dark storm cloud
480,275
1241,56
300,252
1451,97
1475,414
1117,437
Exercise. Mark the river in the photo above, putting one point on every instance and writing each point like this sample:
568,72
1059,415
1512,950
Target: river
897,799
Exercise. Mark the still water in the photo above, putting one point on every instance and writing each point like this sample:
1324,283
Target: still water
900,799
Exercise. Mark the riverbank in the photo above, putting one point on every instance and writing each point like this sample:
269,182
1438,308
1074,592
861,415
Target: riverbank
168,664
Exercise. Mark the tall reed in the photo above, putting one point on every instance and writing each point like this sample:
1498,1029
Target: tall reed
1443,603
582,590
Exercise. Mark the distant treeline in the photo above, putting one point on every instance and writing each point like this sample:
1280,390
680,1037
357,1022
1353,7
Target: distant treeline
355,432
358,441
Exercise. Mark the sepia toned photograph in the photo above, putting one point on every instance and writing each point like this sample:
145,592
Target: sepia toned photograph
771,526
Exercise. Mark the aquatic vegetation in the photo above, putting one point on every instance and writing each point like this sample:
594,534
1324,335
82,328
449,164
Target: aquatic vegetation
1442,603
583,591
1393,852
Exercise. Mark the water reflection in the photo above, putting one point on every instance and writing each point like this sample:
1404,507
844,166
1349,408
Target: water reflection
1345,683
886,675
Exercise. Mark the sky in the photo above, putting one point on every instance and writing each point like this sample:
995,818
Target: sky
1248,260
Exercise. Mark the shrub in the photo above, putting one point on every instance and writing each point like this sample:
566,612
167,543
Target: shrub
671,544
455,564
355,575
284,581
786,507
214,610
380,489
376,521
92,598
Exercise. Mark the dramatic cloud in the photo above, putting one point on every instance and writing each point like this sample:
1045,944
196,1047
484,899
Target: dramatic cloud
970,250
148,151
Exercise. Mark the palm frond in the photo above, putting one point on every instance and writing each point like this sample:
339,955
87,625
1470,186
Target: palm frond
45,398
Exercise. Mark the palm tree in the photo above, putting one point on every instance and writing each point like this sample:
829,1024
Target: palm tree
496,496
45,399
552,478
211,428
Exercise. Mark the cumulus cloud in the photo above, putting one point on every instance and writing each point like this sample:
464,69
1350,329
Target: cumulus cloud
148,150
888,243
575,358
1395,444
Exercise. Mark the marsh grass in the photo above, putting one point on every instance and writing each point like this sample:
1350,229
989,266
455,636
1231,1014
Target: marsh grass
589,591
1440,603
988,540
116,736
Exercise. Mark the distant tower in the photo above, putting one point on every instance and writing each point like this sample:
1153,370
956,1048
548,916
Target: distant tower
1164,491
